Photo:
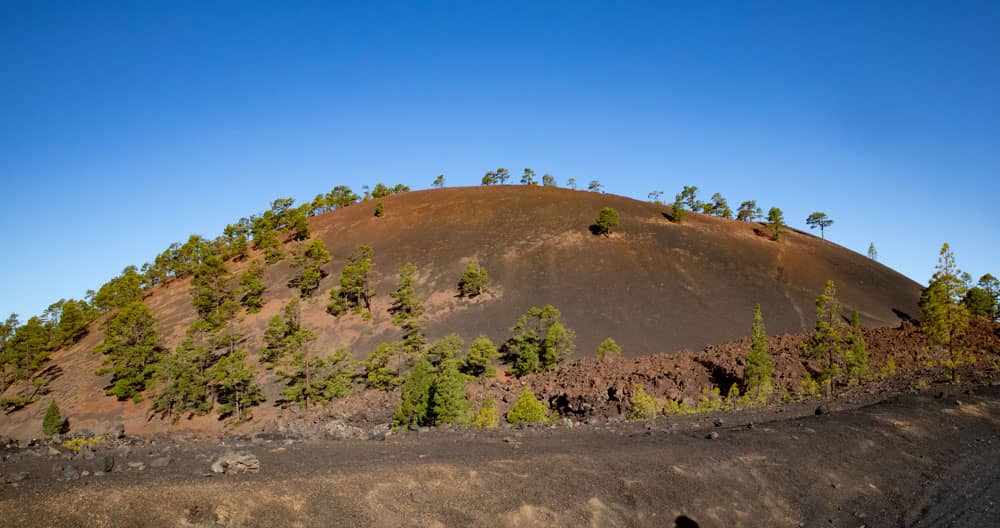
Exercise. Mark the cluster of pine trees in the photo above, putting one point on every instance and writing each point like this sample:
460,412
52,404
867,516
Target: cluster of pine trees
25,347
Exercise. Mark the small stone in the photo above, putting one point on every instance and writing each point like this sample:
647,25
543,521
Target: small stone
163,461
117,432
230,462
138,466
717,422
712,436
822,409
70,473
53,451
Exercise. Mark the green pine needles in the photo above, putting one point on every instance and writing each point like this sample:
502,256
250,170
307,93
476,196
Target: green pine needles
53,423
759,366
528,409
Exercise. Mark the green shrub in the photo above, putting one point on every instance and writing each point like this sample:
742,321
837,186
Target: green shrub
486,416
608,347
77,444
644,406
809,387
528,409
889,369
13,404
607,219
53,423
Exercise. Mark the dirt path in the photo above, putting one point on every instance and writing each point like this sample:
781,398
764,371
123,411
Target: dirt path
918,460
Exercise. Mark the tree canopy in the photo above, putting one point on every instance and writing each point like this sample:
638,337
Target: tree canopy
820,220
131,350
606,220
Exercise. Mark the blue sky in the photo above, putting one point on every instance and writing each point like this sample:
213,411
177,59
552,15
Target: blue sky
127,126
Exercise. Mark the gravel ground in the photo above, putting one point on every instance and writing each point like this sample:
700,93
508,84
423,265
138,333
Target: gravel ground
913,460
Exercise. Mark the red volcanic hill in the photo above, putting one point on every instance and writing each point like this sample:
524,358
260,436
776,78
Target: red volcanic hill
652,285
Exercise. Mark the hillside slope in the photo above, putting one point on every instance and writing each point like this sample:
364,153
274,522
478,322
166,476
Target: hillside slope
653,285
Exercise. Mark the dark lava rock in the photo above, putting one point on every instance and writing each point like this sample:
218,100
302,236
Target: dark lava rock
104,464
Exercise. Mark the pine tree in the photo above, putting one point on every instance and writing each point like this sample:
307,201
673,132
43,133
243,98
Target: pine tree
944,319
235,386
53,423
449,401
606,219
748,211
759,367
27,348
677,212
474,280
210,295
311,260
407,309
718,207
265,237
820,220
381,371
131,350
478,362
252,287
72,323
280,329
689,196
181,379
445,349
776,223
528,178
548,180
827,340
298,222
414,404
872,252
379,209
858,368
310,379
557,345
540,341
355,291
120,291
608,348
527,409
439,181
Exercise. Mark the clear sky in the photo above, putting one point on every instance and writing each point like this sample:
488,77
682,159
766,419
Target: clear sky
126,126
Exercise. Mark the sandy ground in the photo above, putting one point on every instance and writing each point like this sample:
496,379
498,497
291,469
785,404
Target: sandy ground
914,460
